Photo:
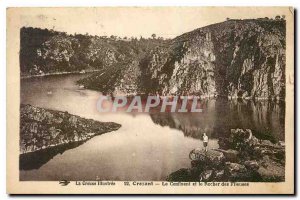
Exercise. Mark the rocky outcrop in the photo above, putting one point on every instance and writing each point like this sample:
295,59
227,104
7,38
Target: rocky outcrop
42,128
185,67
245,159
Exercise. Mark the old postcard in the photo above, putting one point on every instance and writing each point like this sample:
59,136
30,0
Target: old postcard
150,100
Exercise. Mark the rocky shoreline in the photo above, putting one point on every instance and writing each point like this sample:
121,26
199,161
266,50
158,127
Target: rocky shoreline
44,130
241,157
57,73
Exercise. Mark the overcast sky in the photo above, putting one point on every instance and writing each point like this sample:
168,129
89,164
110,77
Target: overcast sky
165,22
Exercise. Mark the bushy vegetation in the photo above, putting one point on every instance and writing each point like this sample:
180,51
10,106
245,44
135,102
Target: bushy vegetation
48,51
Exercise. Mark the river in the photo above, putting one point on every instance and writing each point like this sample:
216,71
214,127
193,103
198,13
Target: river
146,147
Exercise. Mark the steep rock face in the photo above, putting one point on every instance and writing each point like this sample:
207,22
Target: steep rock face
236,58
193,71
253,59
185,66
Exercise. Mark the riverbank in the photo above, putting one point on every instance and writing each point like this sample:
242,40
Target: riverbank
240,158
43,129
58,73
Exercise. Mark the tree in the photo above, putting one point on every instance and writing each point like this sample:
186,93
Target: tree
113,37
153,35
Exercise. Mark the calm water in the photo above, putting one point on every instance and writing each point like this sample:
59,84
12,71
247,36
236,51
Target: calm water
146,147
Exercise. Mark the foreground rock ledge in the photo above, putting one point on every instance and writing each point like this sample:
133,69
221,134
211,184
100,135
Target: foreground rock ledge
241,157
42,129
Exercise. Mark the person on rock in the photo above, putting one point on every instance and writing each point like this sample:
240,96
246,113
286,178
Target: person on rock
205,141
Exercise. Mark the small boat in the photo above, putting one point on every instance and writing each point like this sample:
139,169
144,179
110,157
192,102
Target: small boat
49,92
81,86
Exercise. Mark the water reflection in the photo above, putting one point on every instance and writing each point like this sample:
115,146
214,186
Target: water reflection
265,118
34,160
147,146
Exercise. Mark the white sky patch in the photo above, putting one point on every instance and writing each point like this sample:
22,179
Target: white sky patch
135,21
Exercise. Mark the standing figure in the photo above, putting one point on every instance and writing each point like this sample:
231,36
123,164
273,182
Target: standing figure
205,141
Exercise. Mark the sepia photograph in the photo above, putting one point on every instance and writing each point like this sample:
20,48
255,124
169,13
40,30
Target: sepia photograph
151,100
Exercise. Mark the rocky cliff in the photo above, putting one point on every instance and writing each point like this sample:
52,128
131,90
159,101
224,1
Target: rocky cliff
42,128
235,58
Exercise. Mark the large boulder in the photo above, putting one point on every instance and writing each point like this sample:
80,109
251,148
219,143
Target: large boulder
251,165
235,167
237,172
219,175
230,154
266,143
271,171
206,175
181,175
209,158
240,136
225,143
274,151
